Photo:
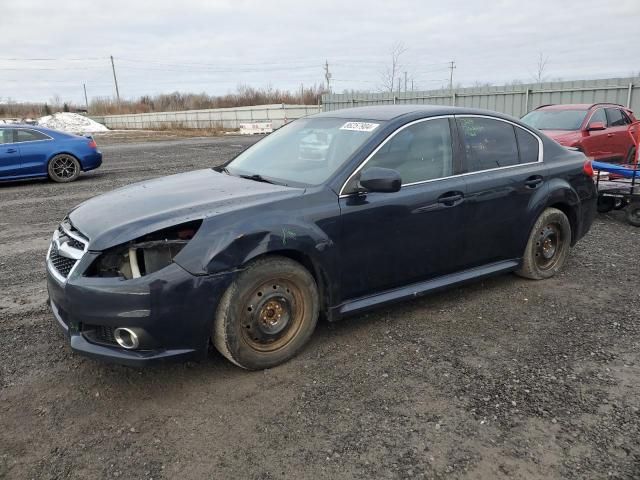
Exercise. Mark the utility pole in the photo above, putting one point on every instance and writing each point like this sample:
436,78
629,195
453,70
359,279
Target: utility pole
115,79
398,85
405,82
86,101
452,65
327,75
412,84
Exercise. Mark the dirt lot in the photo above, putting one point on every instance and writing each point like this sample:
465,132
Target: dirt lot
506,378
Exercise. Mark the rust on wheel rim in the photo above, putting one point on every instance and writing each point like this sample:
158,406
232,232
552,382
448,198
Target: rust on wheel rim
273,315
548,246
64,167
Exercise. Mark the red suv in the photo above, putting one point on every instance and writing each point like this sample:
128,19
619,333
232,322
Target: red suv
603,131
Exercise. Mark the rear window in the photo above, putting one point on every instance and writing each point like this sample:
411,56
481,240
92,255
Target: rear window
555,119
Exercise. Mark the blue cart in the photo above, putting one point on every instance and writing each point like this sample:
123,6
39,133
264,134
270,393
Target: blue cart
620,191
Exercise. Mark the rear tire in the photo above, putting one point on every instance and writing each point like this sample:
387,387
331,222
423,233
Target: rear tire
606,204
548,246
63,168
267,314
633,214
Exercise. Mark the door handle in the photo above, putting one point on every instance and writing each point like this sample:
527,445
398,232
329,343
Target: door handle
533,182
450,199
609,135
11,150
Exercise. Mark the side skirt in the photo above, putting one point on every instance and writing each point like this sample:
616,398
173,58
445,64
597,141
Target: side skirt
421,288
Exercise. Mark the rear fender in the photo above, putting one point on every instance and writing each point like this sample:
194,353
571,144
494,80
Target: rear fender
562,196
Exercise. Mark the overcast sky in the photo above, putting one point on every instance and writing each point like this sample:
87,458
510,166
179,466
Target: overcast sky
52,47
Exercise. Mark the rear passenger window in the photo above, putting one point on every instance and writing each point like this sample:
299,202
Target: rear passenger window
30,136
615,117
488,143
527,146
626,118
419,152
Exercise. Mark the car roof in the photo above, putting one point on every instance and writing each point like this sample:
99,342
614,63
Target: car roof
577,106
17,125
390,112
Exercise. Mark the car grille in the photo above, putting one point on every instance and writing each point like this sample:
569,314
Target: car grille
67,247
99,334
63,265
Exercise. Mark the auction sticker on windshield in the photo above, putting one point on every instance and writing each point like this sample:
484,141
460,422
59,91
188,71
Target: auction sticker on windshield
360,126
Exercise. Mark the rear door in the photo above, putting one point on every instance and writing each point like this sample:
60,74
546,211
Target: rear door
618,134
394,239
34,150
504,169
9,154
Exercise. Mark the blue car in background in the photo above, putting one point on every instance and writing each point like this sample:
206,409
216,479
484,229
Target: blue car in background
28,151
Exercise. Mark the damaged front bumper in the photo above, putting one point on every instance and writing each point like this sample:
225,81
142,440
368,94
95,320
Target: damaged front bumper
171,310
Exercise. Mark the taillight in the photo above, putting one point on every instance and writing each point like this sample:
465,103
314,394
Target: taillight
587,168
93,144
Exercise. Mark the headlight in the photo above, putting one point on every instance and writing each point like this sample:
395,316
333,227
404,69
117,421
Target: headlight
146,254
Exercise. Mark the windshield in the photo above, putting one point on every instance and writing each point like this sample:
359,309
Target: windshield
555,119
305,152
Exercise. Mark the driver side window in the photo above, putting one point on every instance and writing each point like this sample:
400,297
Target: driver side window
419,152
598,116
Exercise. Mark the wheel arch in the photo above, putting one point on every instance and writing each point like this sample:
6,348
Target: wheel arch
309,263
572,215
62,152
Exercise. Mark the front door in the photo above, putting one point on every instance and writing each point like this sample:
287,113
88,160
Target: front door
9,154
394,239
597,144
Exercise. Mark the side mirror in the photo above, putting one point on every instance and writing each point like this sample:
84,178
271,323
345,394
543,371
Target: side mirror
377,179
596,126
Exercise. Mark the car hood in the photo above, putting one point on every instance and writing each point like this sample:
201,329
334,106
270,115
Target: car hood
136,210
563,137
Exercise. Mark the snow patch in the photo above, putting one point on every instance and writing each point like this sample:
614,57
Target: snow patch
71,122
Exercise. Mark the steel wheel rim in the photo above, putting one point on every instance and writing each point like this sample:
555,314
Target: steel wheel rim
548,246
273,315
64,167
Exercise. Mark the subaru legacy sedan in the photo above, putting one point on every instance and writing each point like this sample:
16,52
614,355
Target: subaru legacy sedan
400,202
28,151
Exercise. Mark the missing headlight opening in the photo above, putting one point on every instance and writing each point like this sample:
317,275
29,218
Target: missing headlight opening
145,255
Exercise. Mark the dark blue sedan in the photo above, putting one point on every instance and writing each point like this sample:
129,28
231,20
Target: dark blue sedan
28,151
389,203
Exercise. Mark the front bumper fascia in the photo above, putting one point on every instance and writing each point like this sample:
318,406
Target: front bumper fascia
174,308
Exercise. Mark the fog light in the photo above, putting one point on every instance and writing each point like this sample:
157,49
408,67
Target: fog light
126,338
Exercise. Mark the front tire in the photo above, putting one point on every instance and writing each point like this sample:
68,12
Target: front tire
548,246
63,168
267,314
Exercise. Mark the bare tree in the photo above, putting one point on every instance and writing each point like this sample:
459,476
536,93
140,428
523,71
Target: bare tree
541,67
392,71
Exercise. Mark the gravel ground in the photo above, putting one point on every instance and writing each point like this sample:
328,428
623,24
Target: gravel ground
505,378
